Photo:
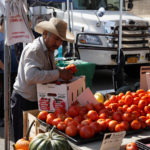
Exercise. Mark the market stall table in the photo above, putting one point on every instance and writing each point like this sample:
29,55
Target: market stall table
31,115
83,68
127,139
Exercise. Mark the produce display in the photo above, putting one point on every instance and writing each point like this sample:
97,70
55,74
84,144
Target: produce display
49,141
122,112
23,143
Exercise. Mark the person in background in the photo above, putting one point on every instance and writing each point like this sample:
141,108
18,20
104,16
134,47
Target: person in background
37,65
14,67
1,72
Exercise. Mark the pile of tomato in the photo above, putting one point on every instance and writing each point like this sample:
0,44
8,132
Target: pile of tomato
122,112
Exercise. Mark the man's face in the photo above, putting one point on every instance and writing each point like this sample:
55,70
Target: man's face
52,41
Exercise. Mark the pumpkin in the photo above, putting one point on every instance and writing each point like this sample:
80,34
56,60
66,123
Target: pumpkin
23,143
49,141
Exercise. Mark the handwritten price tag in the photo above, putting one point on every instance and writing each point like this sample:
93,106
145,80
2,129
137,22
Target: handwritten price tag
112,141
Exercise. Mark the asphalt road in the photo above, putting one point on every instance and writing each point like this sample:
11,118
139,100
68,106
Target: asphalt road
102,80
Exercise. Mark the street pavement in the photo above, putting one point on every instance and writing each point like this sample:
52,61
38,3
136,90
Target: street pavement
2,138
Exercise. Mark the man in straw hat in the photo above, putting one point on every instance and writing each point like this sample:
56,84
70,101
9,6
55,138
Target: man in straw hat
37,65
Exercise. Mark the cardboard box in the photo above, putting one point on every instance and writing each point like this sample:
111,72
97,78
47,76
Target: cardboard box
52,96
28,118
143,80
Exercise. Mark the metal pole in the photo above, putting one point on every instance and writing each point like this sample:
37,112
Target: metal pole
120,31
68,7
6,91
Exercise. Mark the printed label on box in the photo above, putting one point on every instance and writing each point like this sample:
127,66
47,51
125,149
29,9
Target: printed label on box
52,96
112,141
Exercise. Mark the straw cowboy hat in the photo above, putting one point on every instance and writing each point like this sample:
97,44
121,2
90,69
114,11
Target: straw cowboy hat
57,27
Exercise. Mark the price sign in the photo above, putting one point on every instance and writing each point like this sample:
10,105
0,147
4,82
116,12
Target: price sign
112,141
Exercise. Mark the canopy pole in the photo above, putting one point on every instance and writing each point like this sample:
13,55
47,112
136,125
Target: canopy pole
68,7
120,31
6,91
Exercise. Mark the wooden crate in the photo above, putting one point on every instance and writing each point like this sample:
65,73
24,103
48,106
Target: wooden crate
28,118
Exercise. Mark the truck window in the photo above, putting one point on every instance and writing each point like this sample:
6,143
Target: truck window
112,5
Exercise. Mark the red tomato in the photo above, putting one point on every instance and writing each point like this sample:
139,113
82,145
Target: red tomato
147,109
136,100
131,146
97,128
86,122
102,123
125,124
119,127
142,118
73,122
120,110
113,106
142,104
68,119
61,126
92,114
140,91
71,130
56,121
135,115
147,122
99,106
121,103
73,111
72,68
104,111
78,118
42,115
127,117
90,106
113,99
134,94
135,124
112,124
134,107
148,116
106,103
117,116
79,127
83,110
103,116
50,118
87,132
128,100
62,116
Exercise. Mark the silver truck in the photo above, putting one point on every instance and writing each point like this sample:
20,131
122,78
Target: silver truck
97,36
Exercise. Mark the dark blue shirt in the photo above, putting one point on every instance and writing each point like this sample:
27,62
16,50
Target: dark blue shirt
14,64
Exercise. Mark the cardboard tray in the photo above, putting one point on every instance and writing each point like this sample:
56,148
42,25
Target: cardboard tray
78,140
141,143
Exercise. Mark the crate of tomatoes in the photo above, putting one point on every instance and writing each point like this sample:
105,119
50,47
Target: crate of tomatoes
128,112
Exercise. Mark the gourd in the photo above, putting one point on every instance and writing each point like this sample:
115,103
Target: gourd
49,141
23,143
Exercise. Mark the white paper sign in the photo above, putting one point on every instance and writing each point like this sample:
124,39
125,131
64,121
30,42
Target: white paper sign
112,141
86,97
17,26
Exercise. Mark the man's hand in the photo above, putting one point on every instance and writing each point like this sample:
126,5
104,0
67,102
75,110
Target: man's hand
65,74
